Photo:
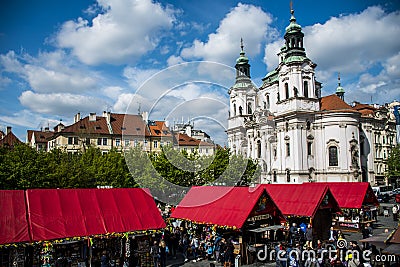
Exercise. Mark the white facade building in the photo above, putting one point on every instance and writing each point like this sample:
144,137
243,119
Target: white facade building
295,134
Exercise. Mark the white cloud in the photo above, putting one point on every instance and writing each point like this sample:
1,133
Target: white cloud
26,118
125,30
113,92
61,103
49,72
174,60
244,21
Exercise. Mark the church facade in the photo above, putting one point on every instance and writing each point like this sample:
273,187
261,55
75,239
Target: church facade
294,133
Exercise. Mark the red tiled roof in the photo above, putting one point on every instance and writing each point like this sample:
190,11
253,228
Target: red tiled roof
158,128
85,126
9,140
364,109
333,102
185,140
127,124
40,136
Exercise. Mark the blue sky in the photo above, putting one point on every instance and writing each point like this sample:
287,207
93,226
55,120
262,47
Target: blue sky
58,58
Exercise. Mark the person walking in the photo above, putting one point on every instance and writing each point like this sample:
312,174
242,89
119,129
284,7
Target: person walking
309,236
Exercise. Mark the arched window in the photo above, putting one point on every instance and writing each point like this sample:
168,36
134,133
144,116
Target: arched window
234,109
286,90
308,125
305,88
267,101
258,149
240,110
249,111
333,156
309,146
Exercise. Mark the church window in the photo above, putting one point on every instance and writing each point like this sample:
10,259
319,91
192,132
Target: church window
275,177
333,156
264,105
286,90
305,88
249,111
268,102
308,125
286,126
259,149
234,109
309,146
288,175
287,150
240,110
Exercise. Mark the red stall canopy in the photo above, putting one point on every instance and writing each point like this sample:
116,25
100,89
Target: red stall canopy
13,220
224,206
61,213
353,195
301,199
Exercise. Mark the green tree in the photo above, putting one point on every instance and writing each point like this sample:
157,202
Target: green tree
393,162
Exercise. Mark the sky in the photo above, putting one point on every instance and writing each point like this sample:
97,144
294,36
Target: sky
175,59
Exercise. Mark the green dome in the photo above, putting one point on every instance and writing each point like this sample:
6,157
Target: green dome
339,89
242,58
293,26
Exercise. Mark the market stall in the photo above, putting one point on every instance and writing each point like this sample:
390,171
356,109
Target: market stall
358,203
234,209
80,225
303,204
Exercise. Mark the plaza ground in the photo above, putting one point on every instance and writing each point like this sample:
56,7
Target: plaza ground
379,227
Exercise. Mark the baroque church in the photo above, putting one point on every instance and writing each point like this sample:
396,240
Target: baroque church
294,133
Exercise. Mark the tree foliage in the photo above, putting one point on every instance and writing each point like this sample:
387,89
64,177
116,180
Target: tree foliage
394,163
23,168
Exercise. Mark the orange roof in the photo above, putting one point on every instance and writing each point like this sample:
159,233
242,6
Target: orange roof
333,102
158,128
9,140
365,110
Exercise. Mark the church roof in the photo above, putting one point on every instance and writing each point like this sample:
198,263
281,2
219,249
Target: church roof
333,102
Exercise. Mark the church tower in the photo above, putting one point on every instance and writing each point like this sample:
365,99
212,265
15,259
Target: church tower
340,89
242,103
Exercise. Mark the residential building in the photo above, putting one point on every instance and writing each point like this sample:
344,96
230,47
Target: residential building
8,139
38,139
184,142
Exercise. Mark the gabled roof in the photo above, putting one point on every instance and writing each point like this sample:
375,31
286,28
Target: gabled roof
353,195
185,140
221,205
301,199
40,136
334,103
10,140
85,126
128,124
159,129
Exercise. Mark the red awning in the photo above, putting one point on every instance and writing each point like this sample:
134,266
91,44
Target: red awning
60,213
224,206
13,221
353,195
300,199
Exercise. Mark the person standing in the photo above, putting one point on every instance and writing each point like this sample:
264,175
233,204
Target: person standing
163,253
155,253
395,210
309,236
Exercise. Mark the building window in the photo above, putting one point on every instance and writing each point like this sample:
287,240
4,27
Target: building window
268,102
104,141
305,88
287,150
309,145
234,109
99,141
288,175
286,126
275,153
308,125
286,90
155,144
87,141
333,156
192,149
117,142
127,142
249,111
240,110
70,140
259,149
275,177
206,150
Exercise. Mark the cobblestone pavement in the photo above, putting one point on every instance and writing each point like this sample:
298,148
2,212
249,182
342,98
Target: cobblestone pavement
379,227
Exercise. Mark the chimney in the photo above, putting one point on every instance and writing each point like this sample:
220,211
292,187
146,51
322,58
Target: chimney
59,128
92,116
8,130
77,117
105,114
46,129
